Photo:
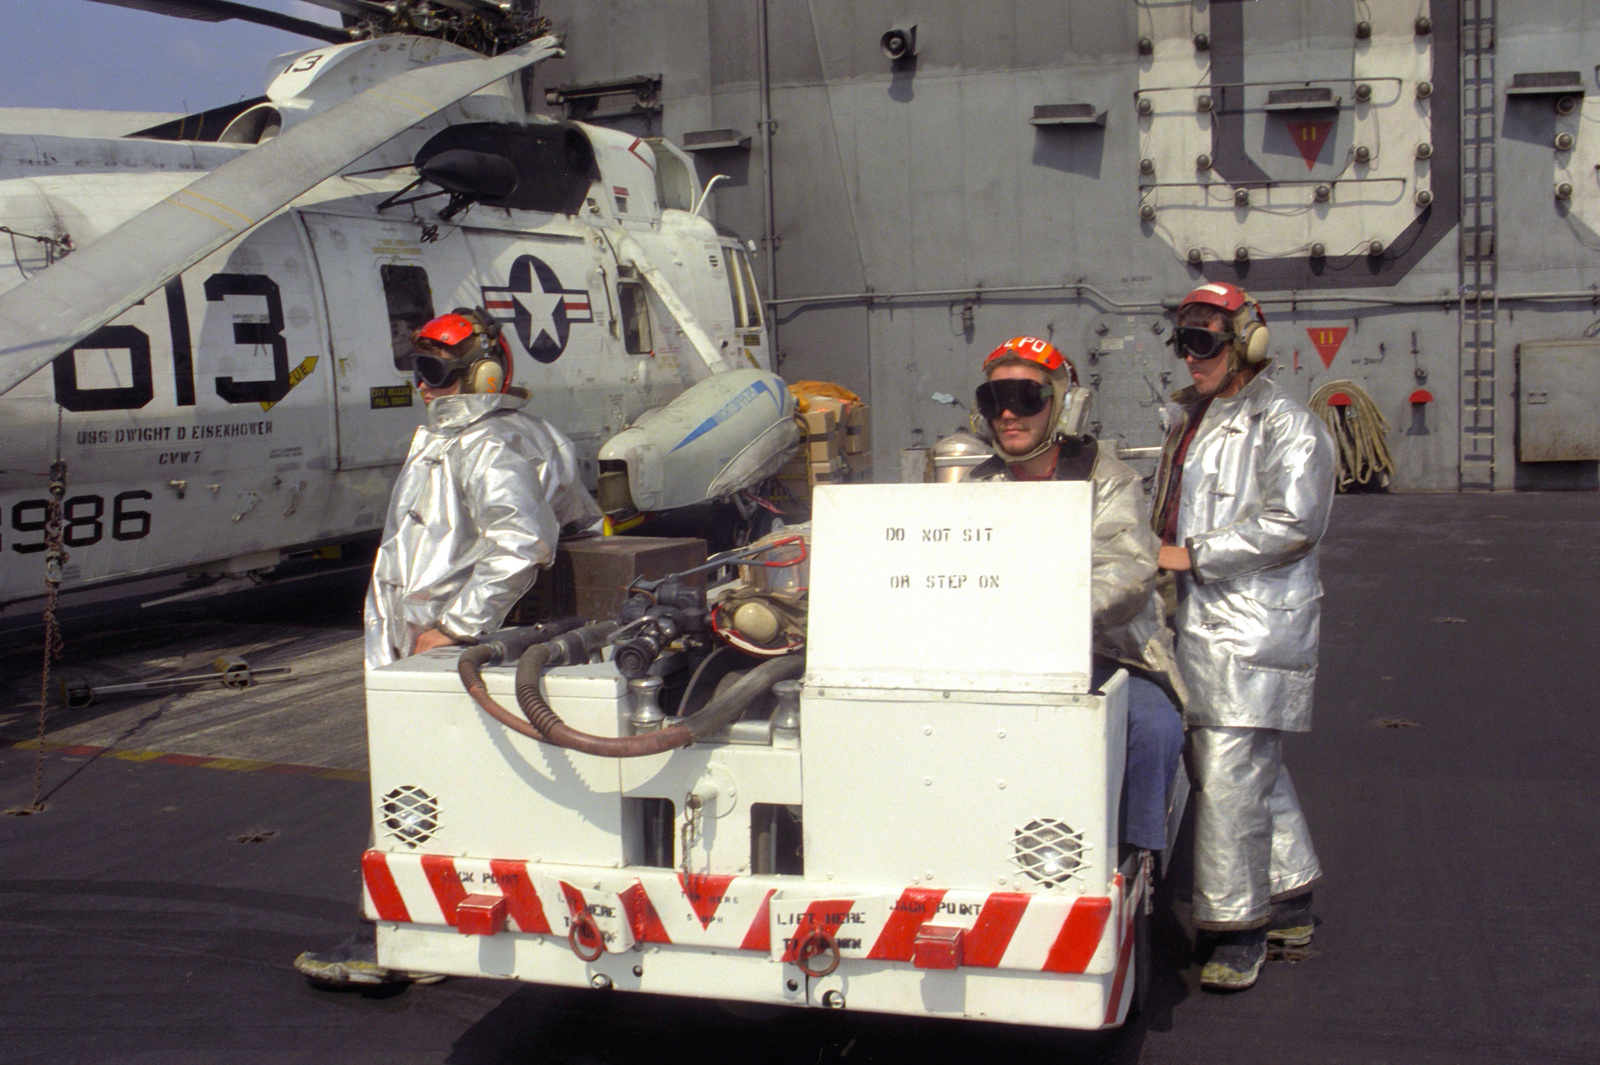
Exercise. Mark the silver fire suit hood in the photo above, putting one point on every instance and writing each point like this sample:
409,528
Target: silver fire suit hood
482,499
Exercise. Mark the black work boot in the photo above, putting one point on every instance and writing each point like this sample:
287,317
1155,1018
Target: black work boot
1291,923
1235,960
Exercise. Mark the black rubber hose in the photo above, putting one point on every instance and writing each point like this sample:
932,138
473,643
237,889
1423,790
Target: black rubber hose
700,670
728,705
508,644
571,648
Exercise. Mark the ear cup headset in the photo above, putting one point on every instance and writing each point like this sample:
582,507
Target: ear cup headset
1247,325
463,345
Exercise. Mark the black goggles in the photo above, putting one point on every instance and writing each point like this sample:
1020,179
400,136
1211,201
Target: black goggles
433,371
1192,341
1024,398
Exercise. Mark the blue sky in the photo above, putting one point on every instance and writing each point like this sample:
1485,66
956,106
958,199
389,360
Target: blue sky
80,54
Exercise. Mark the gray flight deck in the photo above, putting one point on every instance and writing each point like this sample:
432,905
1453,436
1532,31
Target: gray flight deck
193,843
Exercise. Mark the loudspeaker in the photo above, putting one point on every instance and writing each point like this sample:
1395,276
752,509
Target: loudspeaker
900,42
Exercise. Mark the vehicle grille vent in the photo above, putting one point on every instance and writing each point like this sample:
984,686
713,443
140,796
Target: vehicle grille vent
1048,850
410,815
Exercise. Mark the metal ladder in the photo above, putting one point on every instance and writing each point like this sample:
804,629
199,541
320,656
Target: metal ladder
1479,301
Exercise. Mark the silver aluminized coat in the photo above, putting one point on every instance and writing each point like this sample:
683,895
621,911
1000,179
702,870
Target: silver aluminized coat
1257,487
1253,502
482,499
1128,619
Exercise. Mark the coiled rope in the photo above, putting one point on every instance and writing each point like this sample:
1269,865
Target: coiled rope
1360,432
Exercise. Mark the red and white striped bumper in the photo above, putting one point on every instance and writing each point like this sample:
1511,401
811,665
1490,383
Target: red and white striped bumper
929,927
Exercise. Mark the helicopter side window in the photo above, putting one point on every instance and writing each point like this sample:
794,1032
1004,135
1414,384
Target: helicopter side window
410,301
635,318
741,315
752,295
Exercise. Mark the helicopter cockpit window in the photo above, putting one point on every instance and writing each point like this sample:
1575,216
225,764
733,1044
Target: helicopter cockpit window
554,161
410,301
636,338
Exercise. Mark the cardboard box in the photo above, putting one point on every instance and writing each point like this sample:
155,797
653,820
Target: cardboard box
822,448
857,429
821,422
828,472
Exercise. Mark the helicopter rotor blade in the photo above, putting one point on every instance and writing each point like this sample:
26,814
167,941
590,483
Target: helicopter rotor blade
354,7
60,306
223,10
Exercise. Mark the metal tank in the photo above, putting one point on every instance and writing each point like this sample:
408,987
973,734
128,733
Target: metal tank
1410,190
957,453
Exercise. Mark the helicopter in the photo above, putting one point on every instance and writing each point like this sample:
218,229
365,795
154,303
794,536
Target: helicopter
205,324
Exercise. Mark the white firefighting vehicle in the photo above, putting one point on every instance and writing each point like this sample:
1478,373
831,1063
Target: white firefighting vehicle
930,829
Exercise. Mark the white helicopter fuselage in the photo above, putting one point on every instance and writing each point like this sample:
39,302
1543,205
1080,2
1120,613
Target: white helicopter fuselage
257,404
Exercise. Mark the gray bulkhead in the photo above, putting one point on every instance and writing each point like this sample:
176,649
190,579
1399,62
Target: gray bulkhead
925,209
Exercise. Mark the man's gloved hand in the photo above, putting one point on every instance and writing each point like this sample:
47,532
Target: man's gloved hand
431,639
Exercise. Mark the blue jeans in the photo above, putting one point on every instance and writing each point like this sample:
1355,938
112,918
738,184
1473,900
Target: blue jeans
1155,747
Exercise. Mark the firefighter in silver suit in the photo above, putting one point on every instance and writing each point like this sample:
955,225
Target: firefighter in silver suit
484,495
1242,497
486,491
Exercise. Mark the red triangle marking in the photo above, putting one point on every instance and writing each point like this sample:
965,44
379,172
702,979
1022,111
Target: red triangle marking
1327,340
1309,136
705,893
